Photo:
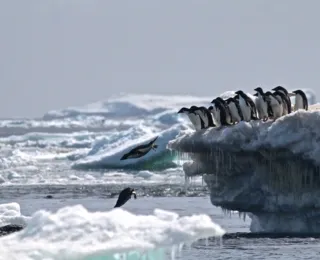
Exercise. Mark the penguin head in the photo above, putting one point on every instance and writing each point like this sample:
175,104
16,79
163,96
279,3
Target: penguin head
183,110
193,108
124,196
240,93
280,88
298,91
229,100
268,95
219,99
259,90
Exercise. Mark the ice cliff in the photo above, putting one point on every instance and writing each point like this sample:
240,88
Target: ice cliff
267,169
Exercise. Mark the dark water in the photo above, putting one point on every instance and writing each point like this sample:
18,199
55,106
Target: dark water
172,198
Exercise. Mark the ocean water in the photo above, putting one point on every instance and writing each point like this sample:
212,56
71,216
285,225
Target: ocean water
74,155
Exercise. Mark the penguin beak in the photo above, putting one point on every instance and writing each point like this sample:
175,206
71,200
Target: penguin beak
134,194
291,94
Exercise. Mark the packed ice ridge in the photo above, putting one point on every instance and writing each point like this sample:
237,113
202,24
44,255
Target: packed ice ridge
73,233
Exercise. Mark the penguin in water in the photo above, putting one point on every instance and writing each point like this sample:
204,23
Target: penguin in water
286,105
275,105
140,150
301,100
235,110
193,117
124,196
286,93
247,106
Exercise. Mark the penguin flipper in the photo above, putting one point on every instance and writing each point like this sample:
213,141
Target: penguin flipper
151,142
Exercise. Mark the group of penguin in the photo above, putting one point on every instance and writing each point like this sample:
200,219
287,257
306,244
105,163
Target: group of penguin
267,105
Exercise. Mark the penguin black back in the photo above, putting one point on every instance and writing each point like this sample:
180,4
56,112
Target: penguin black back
124,196
304,98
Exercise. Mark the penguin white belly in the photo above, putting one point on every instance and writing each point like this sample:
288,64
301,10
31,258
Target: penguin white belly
262,108
203,117
228,117
246,110
276,108
216,116
194,120
144,150
283,105
234,112
298,103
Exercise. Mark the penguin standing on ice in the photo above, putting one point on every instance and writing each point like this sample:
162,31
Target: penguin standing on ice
262,104
207,117
193,117
301,100
235,110
275,105
247,106
220,113
199,112
286,104
286,93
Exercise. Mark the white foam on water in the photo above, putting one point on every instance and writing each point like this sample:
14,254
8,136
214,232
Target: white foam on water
75,233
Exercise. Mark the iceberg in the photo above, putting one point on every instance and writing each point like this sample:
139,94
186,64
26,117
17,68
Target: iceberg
75,233
269,170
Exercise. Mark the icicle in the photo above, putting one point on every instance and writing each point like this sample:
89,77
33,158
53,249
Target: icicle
173,252
180,247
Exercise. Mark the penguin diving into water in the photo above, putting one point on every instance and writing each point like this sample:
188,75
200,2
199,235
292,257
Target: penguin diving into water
140,150
124,196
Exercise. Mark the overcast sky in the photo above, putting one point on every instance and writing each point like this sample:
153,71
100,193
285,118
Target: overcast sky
60,53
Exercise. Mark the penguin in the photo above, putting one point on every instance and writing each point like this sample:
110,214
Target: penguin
235,110
221,112
284,100
247,105
223,103
261,104
275,105
124,196
193,117
215,115
208,117
284,91
301,100
140,150
202,118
